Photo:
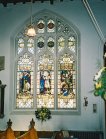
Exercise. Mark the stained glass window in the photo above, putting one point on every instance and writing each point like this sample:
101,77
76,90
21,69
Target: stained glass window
48,66
25,75
45,82
66,82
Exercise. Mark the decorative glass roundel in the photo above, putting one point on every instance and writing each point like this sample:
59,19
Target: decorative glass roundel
50,44
40,44
50,25
41,25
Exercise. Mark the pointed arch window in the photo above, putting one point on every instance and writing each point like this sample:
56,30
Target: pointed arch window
48,66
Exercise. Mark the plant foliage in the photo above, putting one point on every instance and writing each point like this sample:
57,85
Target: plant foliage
100,83
43,114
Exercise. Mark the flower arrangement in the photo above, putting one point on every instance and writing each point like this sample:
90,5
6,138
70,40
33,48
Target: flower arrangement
43,114
100,83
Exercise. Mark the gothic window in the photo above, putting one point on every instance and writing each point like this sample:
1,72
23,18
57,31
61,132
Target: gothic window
48,66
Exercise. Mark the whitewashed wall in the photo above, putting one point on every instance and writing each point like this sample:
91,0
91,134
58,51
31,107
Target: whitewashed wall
13,17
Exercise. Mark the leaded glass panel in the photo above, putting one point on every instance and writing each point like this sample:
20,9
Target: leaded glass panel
66,82
30,45
24,97
20,45
50,43
41,26
45,82
60,25
72,43
50,26
61,43
40,43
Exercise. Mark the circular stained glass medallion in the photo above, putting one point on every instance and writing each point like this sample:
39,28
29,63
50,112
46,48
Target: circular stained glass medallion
50,25
40,25
50,44
40,44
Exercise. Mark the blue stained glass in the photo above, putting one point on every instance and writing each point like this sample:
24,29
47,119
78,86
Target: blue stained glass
25,82
42,84
45,82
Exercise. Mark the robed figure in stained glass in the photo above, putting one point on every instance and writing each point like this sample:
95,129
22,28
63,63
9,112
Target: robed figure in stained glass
25,82
66,82
45,82
42,83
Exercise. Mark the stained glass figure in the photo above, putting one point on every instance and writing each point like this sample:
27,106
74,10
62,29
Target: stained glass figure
66,82
45,82
25,82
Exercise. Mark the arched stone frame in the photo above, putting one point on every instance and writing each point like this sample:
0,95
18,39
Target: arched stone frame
77,35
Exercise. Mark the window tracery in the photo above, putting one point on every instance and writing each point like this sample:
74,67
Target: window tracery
51,62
